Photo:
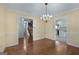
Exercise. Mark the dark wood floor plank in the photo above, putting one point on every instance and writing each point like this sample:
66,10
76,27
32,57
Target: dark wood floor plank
42,47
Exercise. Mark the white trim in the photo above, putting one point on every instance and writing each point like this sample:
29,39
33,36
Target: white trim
73,44
18,18
75,33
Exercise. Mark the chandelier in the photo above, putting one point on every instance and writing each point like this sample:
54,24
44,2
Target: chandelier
45,17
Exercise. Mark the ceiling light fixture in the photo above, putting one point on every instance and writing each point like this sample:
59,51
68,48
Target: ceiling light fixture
45,17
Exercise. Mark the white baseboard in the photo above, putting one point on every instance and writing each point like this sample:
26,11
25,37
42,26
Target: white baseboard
37,39
73,44
2,49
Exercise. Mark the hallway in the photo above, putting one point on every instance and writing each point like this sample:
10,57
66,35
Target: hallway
42,47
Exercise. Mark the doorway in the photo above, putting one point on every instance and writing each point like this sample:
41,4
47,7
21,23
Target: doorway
25,31
61,32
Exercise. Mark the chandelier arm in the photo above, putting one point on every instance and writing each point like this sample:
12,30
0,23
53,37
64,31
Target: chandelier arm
46,8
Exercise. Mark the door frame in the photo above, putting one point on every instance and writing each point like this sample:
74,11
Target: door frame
57,19
18,18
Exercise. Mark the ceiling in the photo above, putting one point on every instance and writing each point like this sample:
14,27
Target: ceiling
37,9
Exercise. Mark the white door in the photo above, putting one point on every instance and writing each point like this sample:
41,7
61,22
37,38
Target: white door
20,27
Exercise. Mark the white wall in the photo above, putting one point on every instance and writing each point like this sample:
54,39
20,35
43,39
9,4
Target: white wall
2,28
50,29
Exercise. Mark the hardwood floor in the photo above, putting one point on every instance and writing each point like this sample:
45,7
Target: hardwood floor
42,47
